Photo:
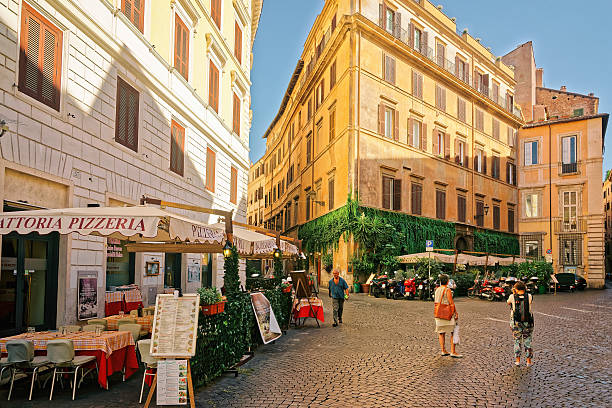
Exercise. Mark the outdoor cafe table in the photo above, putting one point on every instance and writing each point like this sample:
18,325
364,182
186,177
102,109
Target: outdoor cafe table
304,308
145,322
113,350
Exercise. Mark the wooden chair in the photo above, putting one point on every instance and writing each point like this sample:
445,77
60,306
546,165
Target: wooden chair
103,322
93,327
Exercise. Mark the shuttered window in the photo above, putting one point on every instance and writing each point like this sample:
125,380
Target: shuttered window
332,75
496,216
495,171
332,125
309,147
389,69
461,207
177,148
181,47
461,109
213,87
510,219
416,196
126,120
330,193
236,115
40,58
480,120
440,204
211,159
391,193
495,128
215,12
440,97
480,213
134,11
238,42
234,185
417,85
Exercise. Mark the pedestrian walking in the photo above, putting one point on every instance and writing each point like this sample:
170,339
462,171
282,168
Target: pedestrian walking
446,316
521,322
338,291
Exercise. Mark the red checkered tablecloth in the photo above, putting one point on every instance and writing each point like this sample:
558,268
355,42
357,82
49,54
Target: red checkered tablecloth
111,297
133,295
314,301
107,342
145,321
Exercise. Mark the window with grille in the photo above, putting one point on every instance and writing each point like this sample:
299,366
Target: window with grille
416,198
126,120
181,47
211,163
532,246
177,148
570,211
571,249
40,58
440,204
134,11
233,185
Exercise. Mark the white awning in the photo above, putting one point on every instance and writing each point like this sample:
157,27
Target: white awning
254,243
139,223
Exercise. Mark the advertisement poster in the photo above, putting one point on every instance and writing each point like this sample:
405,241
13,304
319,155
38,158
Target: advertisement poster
172,382
266,321
175,326
194,268
88,296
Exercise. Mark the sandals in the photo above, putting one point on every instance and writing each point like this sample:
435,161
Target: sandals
442,354
456,355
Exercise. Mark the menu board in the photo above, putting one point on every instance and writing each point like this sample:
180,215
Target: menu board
172,382
175,326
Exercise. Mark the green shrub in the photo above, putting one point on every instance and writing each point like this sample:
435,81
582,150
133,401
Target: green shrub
209,296
464,281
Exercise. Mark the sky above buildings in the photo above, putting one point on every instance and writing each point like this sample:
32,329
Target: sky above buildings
571,42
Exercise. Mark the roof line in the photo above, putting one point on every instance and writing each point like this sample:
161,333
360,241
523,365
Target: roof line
566,92
565,120
292,82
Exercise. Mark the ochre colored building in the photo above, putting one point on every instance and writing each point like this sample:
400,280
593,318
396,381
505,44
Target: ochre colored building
389,102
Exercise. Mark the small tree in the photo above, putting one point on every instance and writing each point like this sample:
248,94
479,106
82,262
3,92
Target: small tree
232,277
278,267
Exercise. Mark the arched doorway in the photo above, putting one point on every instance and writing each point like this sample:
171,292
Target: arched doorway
462,244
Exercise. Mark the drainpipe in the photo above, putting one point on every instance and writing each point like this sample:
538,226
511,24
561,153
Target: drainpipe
550,188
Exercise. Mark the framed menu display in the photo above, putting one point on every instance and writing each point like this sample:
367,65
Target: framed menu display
175,326
172,382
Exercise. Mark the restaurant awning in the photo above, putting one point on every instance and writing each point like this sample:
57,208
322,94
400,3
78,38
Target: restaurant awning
138,223
414,258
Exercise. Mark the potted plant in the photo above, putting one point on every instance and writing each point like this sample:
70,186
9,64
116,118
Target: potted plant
286,287
211,301
544,272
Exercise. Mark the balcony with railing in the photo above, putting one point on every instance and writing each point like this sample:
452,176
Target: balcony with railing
568,168
570,225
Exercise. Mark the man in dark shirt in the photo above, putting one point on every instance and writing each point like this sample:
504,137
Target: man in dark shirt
338,291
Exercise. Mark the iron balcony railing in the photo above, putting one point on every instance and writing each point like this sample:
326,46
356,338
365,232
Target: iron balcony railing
568,168
570,225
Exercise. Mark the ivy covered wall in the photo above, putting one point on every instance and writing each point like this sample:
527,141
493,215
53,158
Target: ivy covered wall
375,228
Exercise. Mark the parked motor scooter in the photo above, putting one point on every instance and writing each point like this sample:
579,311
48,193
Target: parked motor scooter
497,291
379,285
410,288
531,284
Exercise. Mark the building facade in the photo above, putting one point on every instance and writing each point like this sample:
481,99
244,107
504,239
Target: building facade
388,102
607,190
107,101
560,168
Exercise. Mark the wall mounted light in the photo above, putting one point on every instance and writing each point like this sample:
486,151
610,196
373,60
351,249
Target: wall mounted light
227,249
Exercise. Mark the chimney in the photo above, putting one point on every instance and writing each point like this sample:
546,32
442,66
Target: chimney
539,75
563,88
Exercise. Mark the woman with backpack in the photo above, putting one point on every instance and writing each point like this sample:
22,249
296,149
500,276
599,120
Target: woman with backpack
521,322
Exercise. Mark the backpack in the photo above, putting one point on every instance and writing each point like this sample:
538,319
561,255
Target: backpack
521,309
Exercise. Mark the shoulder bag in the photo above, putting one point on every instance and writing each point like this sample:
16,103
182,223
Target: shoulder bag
444,311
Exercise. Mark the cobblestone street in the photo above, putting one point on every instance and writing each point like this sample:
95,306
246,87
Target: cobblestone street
386,355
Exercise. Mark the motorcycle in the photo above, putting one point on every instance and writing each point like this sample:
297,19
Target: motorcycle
391,288
425,289
410,288
378,286
531,284
497,291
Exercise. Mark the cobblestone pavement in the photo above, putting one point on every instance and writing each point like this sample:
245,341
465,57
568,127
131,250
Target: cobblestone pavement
386,355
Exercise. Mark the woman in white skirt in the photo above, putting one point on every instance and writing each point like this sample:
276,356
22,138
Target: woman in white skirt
444,295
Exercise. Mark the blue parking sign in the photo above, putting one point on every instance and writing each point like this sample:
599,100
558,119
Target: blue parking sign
429,245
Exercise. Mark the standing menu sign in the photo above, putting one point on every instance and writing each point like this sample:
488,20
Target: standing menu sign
175,326
172,382
266,321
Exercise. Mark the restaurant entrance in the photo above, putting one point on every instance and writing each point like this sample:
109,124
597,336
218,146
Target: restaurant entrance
28,282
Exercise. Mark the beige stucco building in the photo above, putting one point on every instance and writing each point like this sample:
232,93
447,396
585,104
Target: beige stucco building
389,102
106,101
